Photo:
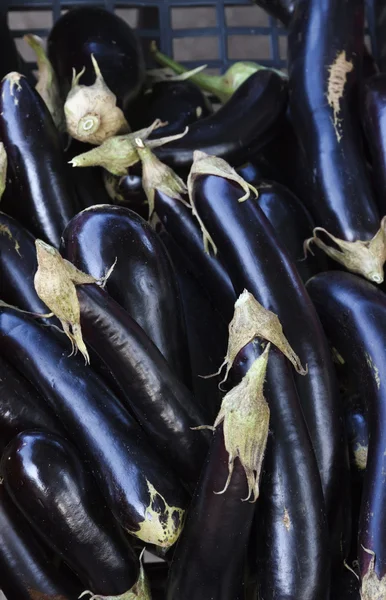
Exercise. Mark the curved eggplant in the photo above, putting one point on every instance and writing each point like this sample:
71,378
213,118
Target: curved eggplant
41,197
21,407
280,9
163,406
292,224
257,261
178,103
142,281
374,121
45,478
181,225
353,314
247,121
140,490
126,191
98,32
325,59
25,571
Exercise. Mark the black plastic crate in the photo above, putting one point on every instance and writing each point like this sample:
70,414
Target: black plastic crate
231,29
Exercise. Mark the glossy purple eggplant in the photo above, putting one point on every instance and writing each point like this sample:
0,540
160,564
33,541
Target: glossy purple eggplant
247,121
141,491
112,42
325,47
181,225
26,573
353,313
374,121
257,261
48,483
143,281
164,407
21,407
41,197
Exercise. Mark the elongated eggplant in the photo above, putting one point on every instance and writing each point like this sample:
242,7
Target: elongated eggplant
178,103
142,281
25,571
41,197
374,121
207,563
206,330
257,261
163,406
21,407
112,42
353,315
280,9
292,224
167,196
245,122
45,478
325,56
140,490
345,586
377,25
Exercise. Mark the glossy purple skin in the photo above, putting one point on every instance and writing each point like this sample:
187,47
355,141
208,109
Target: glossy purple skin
143,281
353,314
340,199
41,194
374,121
45,478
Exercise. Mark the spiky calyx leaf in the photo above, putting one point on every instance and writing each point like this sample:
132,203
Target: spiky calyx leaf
55,281
206,164
245,416
118,153
158,176
91,111
47,85
364,258
372,588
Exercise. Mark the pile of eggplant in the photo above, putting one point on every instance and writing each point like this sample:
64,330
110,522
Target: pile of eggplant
193,316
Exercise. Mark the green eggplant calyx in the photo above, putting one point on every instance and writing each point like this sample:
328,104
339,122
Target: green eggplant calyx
47,85
372,588
245,416
363,258
91,111
3,169
55,281
139,591
158,176
206,164
250,321
118,153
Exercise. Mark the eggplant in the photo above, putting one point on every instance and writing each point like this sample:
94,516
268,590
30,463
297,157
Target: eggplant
21,407
18,265
126,191
377,21
292,224
25,571
208,561
353,316
41,196
177,103
325,47
257,261
142,281
345,586
374,122
206,329
141,491
279,9
247,121
88,183
98,32
46,480
209,558
163,406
